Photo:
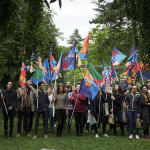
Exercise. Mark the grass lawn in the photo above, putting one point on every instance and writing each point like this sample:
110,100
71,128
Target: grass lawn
70,142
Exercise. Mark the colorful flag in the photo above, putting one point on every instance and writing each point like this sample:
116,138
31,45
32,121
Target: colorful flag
70,60
132,60
47,75
53,63
58,68
133,50
90,82
22,79
37,76
84,51
107,78
114,73
117,57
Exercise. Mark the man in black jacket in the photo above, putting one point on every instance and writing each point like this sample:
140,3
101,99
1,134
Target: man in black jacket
42,99
9,97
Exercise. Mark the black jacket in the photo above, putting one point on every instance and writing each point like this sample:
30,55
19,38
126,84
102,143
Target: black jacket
144,110
10,98
117,103
133,102
43,102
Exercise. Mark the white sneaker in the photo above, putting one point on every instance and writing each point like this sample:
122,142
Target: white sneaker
97,136
137,137
105,135
34,137
131,136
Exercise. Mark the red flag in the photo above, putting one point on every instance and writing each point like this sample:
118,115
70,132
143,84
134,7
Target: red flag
22,79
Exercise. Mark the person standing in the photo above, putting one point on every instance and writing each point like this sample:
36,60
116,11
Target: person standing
148,85
133,110
50,109
67,91
41,103
116,106
78,101
70,108
61,108
32,107
9,97
145,115
24,107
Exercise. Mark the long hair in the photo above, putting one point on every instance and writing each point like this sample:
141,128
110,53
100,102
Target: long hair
144,94
60,85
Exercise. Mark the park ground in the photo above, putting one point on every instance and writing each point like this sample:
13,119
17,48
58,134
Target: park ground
71,142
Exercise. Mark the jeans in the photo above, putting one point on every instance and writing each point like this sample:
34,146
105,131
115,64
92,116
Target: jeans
44,118
69,118
50,116
132,116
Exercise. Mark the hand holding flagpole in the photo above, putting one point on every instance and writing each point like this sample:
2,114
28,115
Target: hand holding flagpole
2,96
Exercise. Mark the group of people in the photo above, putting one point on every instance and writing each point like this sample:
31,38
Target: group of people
128,105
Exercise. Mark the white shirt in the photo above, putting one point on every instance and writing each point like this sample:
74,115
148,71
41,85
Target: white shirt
50,100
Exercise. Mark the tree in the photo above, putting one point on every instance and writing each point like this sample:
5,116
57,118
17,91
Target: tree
11,54
75,36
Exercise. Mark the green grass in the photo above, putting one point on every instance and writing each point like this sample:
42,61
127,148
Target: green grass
70,142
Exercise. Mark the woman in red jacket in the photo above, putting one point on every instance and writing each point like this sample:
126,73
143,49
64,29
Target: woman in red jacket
78,101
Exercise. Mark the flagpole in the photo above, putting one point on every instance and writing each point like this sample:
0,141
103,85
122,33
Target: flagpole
54,93
37,94
4,102
142,76
76,100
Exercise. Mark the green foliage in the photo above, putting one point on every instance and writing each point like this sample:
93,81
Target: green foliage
29,33
133,16
75,36
115,29
138,11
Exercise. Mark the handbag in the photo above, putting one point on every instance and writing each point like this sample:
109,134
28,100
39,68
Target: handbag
138,122
111,119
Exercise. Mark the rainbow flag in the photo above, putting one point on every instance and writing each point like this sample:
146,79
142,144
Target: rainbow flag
84,50
90,82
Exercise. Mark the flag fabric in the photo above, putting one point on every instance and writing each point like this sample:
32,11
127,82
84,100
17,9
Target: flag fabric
117,57
114,73
70,60
133,50
132,60
47,75
37,61
37,76
79,60
84,50
53,63
58,68
107,78
90,82
31,68
22,79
